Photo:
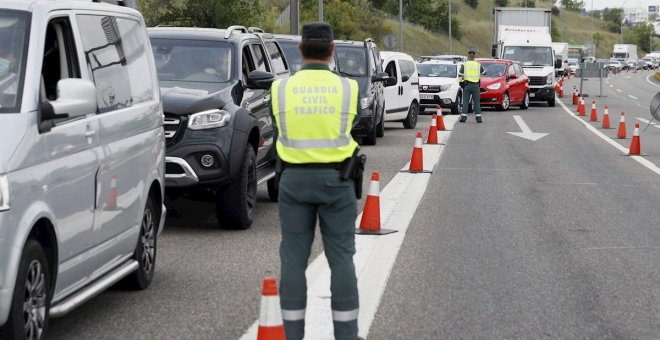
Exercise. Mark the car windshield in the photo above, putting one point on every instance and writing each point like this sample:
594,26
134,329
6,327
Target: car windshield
436,70
494,69
620,55
185,62
14,33
292,54
529,56
352,61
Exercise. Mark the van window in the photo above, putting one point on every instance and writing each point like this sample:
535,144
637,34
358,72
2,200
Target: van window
247,63
279,65
260,58
60,59
390,69
407,69
512,70
117,60
14,36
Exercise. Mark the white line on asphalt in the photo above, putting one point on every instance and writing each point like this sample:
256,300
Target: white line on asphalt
646,121
375,255
648,80
612,86
621,248
619,90
641,160
633,97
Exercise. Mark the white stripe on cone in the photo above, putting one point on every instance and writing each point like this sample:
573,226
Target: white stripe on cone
374,188
433,123
623,119
418,143
438,110
270,313
636,132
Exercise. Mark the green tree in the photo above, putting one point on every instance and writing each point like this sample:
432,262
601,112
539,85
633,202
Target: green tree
597,37
641,34
555,11
441,24
527,3
501,3
572,5
201,13
472,3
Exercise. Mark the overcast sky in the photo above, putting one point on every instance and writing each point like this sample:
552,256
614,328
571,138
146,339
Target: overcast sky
600,4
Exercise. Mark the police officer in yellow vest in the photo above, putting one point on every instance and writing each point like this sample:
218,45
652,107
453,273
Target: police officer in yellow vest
314,111
469,77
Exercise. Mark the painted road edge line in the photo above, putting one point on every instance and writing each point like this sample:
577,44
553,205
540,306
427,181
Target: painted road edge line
633,97
641,160
375,255
648,80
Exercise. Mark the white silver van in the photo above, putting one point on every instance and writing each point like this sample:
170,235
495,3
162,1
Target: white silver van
401,100
81,157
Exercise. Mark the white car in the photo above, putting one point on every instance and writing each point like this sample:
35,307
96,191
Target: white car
615,65
438,85
573,64
402,99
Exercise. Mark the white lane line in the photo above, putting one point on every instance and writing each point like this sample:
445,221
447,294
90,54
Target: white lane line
633,97
375,255
648,80
619,90
646,121
641,160
612,86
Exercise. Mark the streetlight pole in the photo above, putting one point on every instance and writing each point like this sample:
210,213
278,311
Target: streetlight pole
321,10
450,38
400,25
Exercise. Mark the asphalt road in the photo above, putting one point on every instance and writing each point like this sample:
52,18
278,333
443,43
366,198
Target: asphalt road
513,239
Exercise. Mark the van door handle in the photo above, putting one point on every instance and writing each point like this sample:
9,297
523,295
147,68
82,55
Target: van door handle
90,133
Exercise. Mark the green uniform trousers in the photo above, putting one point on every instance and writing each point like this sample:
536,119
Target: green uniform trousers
471,90
306,195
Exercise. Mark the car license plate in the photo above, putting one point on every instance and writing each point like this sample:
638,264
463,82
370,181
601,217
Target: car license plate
426,96
531,95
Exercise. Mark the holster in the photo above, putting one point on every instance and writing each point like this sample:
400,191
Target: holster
353,169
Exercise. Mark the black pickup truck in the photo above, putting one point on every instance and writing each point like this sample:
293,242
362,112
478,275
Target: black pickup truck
215,87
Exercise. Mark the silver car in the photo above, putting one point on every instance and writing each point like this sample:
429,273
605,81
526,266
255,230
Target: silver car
81,158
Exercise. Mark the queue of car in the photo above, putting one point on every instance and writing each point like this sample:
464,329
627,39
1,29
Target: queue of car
124,119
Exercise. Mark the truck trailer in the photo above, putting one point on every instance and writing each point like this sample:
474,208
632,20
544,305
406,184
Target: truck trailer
624,52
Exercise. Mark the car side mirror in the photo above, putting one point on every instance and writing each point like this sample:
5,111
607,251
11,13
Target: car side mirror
558,63
75,97
513,76
405,79
260,80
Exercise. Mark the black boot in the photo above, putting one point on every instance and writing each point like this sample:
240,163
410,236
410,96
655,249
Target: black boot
463,119
478,119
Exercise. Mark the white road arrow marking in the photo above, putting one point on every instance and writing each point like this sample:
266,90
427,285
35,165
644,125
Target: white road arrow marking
526,131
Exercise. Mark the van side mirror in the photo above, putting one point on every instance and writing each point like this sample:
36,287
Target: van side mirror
493,50
75,97
558,63
260,80
405,79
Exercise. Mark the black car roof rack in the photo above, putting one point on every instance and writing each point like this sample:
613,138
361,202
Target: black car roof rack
231,29
114,2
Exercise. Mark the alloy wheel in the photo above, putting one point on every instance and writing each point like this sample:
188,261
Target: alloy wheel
148,241
34,305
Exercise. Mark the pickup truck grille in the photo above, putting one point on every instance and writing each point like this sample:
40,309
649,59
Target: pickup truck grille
429,88
537,80
172,126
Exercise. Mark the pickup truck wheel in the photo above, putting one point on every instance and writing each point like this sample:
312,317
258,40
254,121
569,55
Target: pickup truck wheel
145,251
234,205
370,138
380,128
28,315
551,102
411,120
273,188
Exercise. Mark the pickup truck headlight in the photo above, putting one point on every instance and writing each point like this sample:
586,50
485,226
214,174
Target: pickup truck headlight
208,119
549,78
447,87
495,86
4,193
366,102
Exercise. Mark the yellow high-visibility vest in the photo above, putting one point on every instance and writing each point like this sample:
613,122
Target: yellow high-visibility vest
472,71
314,112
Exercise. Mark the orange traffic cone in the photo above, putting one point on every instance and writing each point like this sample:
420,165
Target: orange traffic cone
621,134
606,118
271,326
440,122
370,221
561,90
594,114
433,132
417,159
635,146
581,110
575,96
112,196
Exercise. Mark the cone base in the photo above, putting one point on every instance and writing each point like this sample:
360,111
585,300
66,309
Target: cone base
362,231
444,130
641,154
417,172
438,143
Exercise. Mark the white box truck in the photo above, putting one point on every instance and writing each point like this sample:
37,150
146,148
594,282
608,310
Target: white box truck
561,53
523,35
624,52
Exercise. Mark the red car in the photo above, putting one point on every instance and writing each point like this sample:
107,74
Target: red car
504,84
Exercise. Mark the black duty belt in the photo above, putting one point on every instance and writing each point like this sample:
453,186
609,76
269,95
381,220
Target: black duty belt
336,166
